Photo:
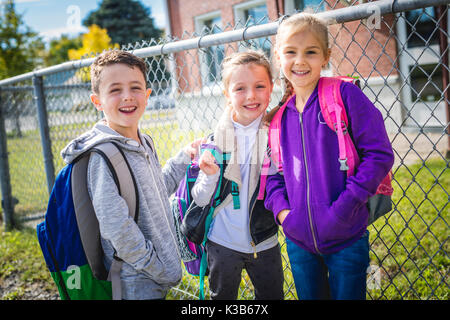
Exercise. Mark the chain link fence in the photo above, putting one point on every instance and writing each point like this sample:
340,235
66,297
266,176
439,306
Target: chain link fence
399,51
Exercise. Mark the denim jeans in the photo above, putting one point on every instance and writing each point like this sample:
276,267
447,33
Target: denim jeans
340,276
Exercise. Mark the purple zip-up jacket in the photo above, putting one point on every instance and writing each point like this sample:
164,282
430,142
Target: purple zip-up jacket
328,210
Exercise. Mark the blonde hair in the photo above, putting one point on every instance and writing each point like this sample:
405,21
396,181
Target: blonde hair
303,21
242,58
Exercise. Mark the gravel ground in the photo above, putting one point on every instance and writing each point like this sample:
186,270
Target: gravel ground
12,288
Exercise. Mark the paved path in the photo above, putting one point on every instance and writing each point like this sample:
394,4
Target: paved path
413,147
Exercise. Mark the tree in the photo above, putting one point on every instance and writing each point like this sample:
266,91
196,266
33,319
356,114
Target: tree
95,41
58,51
20,47
127,21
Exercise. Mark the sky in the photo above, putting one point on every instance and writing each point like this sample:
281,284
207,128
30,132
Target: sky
51,18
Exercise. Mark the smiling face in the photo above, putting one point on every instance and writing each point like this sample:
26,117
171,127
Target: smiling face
302,56
122,96
248,92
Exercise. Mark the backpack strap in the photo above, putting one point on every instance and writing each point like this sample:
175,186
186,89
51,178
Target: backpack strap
221,159
86,220
235,194
273,153
149,141
126,183
85,214
334,114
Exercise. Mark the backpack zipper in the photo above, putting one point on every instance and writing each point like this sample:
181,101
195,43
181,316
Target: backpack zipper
255,255
307,185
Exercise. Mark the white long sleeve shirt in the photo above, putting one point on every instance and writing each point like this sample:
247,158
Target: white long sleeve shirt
231,227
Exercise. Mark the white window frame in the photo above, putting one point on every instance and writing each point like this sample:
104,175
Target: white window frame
239,15
239,9
199,25
289,7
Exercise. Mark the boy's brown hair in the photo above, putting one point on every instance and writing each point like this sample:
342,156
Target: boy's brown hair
113,57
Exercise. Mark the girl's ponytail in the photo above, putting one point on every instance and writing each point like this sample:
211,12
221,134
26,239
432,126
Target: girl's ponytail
287,93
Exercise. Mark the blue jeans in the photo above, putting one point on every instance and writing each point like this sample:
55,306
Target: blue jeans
340,276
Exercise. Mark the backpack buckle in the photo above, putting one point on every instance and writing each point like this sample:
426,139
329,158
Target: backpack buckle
216,202
235,194
234,189
343,126
344,166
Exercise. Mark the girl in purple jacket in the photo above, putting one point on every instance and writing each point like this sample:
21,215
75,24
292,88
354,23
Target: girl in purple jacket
323,213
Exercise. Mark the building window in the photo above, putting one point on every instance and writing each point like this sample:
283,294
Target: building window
421,26
253,13
422,40
292,6
420,67
426,82
211,57
256,15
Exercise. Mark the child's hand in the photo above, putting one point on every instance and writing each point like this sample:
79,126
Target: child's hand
207,163
282,215
192,148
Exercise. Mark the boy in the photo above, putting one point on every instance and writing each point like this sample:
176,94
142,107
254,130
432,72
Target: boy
151,261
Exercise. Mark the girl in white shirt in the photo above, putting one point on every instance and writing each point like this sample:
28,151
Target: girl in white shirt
243,236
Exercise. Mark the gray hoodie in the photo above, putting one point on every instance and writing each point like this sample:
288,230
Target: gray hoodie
151,259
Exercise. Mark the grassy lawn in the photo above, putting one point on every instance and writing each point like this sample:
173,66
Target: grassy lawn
23,274
409,246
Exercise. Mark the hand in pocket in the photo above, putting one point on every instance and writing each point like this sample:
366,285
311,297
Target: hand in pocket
282,215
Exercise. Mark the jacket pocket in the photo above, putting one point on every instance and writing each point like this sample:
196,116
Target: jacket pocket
330,226
296,226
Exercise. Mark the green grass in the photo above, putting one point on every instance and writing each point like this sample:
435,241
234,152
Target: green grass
22,261
409,246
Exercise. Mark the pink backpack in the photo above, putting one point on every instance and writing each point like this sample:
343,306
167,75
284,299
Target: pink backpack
333,112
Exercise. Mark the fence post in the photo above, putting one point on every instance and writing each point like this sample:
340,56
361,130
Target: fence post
44,131
442,12
5,179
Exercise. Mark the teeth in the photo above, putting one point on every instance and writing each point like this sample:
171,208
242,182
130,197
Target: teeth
300,72
127,109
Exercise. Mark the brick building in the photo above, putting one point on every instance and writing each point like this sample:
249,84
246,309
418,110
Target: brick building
397,50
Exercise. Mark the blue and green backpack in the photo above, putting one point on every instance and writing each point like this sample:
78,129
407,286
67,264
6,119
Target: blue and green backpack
70,237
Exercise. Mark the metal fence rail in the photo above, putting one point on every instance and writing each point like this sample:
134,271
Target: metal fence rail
402,68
